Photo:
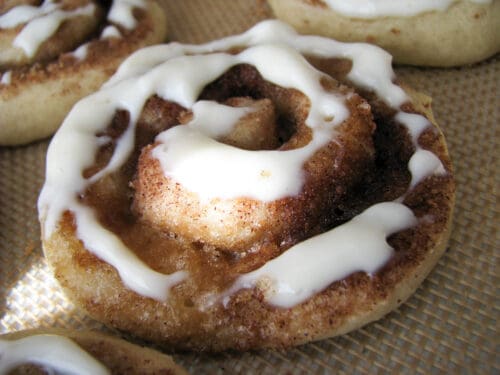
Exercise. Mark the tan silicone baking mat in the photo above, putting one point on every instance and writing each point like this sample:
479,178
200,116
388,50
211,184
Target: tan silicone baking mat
449,326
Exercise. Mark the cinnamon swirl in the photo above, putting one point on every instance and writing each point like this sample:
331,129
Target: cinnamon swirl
165,218
55,52
431,33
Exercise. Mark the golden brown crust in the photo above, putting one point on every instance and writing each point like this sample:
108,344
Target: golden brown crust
466,33
186,320
116,354
35,102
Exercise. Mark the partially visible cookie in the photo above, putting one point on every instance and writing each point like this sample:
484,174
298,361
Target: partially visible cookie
445,33
43,74
79,352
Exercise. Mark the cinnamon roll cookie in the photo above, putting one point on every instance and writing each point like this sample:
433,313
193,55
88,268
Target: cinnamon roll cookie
79,352
434,33
52,53
262,190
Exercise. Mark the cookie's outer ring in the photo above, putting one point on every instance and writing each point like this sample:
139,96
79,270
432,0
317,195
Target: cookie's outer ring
115,353
464,34
36,102
105,298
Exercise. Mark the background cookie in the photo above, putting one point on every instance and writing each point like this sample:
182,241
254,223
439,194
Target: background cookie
42,79
451,33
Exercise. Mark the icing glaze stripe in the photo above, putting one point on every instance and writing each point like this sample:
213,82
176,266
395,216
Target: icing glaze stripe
283,279
391,8
56,353
121,12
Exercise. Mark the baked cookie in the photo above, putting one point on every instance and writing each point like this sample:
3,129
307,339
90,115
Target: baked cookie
79,352
54,53
439,33
169,217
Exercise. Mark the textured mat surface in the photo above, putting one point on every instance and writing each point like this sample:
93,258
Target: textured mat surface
450,325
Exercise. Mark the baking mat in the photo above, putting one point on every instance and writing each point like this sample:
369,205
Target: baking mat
450,325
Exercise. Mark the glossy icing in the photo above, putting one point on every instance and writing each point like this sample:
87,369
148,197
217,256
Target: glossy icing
391,8
52,352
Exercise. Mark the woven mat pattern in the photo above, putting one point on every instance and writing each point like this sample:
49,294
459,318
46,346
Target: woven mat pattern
450,325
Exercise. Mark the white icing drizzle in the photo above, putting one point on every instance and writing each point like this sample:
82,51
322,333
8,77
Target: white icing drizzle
391,8
121,12
41,23
215,120
111,32
81,52
57,353
212,169
6,78
312,265
415,124
423,163
175,72
65,180
376,76
256,174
